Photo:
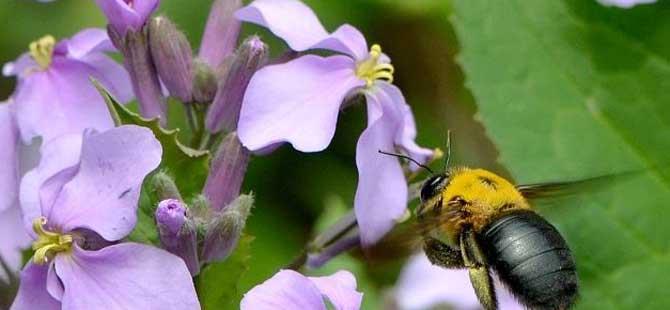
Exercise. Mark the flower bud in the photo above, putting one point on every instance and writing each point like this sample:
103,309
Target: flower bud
164,186
223,231
204,82
225,110
221,32
173,57
227,171
178,233
125,16
138,61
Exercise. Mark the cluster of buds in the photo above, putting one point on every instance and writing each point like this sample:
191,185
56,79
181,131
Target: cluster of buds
211,86
198,233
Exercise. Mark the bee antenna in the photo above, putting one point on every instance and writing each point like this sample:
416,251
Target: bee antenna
448,158
408,158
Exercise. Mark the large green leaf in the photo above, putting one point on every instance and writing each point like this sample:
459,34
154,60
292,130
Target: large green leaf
570,89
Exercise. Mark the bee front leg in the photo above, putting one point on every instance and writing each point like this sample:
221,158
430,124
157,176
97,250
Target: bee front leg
441,254
479,272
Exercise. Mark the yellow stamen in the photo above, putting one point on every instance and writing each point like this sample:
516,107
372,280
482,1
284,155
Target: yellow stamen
48,243
42,50
371,69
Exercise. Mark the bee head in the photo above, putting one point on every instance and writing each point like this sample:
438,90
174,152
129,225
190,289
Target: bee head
434,186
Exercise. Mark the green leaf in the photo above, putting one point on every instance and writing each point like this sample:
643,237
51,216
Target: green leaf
188,167
572,89
218,284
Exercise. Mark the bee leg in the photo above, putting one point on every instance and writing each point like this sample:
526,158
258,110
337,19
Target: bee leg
441,254
480,277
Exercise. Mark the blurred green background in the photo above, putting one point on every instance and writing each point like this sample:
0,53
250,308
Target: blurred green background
520,94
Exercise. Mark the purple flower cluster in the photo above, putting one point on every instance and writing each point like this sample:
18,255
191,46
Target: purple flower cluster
75,173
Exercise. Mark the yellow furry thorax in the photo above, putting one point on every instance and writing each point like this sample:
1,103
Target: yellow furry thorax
484,196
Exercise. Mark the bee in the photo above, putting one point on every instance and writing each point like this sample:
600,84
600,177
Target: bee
482,222
474,219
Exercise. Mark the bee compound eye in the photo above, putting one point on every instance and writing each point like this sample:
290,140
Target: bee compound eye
432,187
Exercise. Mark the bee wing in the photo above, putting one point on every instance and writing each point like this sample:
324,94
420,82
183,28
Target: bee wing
567,188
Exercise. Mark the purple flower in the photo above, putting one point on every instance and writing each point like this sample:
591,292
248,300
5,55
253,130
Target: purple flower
626,4
54,93
124,15
291,290
10,213
85,207
422,285
299,101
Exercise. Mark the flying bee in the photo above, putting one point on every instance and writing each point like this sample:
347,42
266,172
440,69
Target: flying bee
480,221
474,219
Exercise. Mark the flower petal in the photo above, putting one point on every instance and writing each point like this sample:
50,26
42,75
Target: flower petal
405,137
626,4
340,288
286,290
91,40
112,167
56,155
381,195
125,276
20,67
60,100
14,239
33,291
422,285
110,74
291,20
124,17
297,24
346,39
9,169
296,102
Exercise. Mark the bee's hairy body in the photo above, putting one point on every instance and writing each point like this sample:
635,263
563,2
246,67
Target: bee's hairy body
483,222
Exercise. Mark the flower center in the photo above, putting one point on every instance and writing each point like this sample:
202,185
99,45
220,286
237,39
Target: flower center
42,50
48,243
371,69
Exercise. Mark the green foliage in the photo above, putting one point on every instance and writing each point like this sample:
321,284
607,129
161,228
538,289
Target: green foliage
571,89
187,166
218,284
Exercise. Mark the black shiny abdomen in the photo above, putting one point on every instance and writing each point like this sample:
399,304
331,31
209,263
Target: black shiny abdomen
532,259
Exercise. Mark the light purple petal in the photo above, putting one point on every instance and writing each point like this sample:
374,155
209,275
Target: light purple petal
125,276
340,288
9,168
54,285
20,67
60,100
626,4
56,155
110,74
33,291
296,102
346,39
91,40
286,290
422,285
123,16
405,137
112,167
290,20
14,239
381,195
297,24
